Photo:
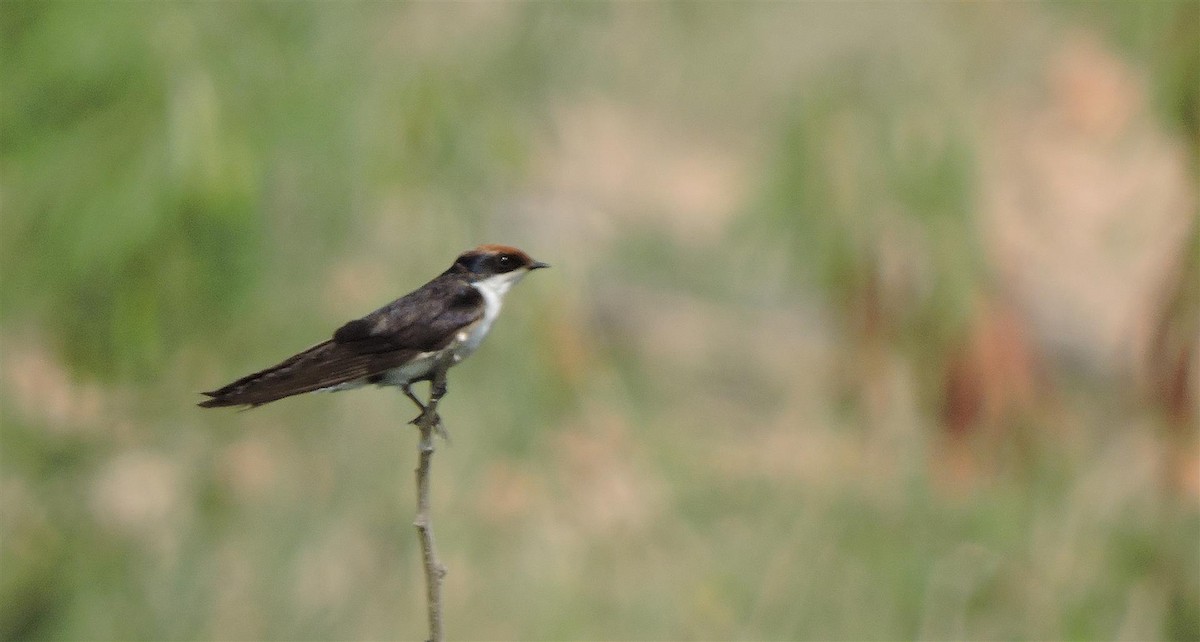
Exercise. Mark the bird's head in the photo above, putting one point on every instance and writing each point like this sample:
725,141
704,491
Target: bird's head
497,263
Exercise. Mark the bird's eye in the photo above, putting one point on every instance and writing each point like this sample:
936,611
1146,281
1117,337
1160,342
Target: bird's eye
505,260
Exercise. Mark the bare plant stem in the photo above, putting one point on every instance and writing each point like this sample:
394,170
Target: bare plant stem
434,570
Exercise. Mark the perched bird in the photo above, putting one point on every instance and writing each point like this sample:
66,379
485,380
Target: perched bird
414,338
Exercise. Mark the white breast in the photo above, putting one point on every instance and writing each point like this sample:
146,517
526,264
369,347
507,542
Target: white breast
493,290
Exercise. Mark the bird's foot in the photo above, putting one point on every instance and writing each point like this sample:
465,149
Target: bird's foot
421,419
435,422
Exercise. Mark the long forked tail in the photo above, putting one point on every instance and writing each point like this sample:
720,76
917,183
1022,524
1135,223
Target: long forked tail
321,366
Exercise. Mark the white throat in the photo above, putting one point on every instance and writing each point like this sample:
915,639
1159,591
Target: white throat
493,289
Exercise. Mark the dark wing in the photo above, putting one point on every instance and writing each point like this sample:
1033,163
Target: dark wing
422,321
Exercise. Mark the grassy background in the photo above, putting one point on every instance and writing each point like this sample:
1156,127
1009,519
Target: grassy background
845,338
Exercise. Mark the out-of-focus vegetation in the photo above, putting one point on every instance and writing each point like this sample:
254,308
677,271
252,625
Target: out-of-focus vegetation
867,321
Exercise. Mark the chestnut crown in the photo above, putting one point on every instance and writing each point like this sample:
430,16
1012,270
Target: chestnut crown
488,260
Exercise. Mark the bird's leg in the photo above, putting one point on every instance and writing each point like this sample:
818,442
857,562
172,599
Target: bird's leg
435,394
407,389
437,387
437,390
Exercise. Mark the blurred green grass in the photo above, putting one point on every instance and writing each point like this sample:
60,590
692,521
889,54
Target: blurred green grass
717,417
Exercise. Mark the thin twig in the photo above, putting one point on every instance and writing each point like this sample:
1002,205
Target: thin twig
434,570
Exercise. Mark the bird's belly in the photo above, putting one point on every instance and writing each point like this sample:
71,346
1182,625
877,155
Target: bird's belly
469,338
419,368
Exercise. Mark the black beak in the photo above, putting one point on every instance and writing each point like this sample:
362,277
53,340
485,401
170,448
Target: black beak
537,265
